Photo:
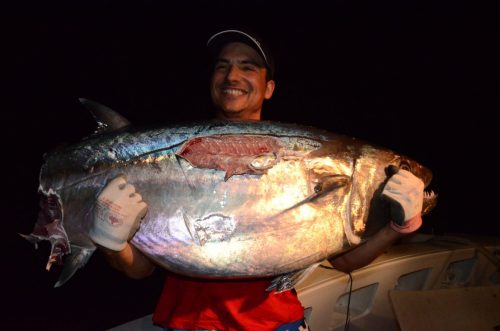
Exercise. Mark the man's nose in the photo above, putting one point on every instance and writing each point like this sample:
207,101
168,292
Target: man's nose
233,73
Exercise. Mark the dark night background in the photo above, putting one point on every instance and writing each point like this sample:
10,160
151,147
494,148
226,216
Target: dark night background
414,76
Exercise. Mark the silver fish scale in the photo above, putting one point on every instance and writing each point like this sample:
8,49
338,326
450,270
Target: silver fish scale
122,147
313,202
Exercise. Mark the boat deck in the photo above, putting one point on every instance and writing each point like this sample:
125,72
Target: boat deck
450,269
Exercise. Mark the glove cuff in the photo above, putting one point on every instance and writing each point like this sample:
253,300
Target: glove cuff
106,240
409,226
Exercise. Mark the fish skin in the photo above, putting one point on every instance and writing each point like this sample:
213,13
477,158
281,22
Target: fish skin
202,223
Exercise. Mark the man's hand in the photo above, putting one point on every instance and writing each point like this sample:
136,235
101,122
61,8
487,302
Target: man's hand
117,214
405,192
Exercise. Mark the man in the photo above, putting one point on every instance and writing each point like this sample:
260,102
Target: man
242,76
241,81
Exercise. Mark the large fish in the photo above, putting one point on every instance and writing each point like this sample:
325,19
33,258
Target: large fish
226,199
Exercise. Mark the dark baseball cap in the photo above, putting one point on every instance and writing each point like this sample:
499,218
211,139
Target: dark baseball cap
216,42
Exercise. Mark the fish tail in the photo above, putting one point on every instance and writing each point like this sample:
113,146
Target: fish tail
76,260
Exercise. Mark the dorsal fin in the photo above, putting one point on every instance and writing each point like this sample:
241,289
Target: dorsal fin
107,119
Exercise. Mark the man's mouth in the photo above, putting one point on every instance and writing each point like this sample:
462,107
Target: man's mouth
233,91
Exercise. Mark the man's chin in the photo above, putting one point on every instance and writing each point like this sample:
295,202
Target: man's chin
236,114
231,113
232,110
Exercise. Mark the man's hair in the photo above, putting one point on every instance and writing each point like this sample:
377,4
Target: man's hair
217,41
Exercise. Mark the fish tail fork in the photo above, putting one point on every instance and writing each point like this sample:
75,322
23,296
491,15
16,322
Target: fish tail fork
49,227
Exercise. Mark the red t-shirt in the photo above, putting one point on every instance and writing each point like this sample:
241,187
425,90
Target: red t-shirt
226,305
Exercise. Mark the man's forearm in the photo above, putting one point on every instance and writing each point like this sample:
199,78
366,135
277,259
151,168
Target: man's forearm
130,261
367,252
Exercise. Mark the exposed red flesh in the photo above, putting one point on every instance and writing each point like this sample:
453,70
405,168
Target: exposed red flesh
230,153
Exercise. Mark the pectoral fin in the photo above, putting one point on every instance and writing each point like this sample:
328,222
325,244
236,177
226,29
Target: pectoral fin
211,228
76,260
290,280
323,188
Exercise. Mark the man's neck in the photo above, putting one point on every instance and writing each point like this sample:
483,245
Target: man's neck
238,116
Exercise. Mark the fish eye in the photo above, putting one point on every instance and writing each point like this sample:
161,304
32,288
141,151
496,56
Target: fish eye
405,165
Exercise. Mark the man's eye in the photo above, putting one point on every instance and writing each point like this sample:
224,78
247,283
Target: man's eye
220,67
249,68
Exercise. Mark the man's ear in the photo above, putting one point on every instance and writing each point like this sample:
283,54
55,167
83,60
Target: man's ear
270,84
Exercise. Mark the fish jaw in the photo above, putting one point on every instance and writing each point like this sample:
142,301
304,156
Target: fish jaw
425,174
430,198
430,201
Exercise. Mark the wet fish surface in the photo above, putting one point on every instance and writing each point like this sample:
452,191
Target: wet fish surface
225,199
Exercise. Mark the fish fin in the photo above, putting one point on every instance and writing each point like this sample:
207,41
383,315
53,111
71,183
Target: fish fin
191,186
239,170
236,169
31,238
76,260
192,230
53,232
228,175
289,280
107,119
333,183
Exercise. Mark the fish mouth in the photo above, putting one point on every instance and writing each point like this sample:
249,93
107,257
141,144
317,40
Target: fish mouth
430,201
425,174
430,198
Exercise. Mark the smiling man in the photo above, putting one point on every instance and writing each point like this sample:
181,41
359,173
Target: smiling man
242,75
242,79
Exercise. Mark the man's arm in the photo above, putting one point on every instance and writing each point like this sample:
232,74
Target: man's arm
365,253
117,216
130,261
405,193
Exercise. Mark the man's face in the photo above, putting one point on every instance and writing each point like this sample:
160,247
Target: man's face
238,86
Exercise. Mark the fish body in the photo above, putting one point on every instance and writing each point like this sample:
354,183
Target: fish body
225,199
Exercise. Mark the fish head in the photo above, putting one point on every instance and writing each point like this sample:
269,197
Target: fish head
420,171
405,163
370,211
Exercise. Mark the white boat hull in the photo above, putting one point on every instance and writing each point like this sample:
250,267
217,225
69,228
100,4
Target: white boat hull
424,263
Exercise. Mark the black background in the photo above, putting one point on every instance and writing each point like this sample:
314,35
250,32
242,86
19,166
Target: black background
413,76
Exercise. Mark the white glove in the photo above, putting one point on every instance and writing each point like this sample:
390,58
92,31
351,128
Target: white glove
117,214
405,191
